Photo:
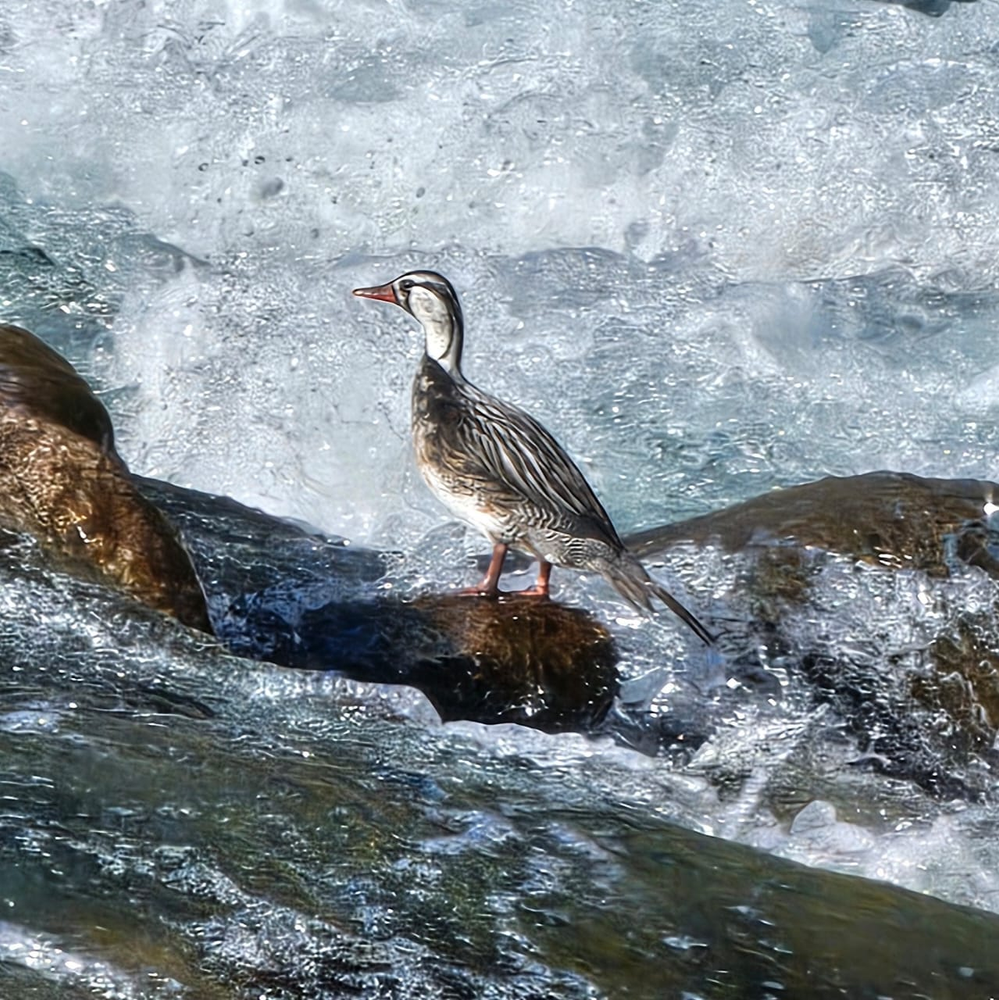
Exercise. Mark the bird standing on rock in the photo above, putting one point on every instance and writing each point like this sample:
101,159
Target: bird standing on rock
496,467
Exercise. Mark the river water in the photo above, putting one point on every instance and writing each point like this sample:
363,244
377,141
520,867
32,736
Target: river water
717,247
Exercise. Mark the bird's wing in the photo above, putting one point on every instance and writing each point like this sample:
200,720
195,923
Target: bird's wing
515,450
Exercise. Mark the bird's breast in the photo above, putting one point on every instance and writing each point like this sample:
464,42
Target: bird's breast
445,461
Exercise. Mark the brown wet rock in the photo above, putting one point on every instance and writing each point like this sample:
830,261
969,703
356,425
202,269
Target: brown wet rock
893,520
961,682
62,481
890,519
524,660
37,382
530,660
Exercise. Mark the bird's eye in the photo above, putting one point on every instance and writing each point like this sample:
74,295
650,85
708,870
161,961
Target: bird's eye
406,285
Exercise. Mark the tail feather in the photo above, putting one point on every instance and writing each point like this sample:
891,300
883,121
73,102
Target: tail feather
630,579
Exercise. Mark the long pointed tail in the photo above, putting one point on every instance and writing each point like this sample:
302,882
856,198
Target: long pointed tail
630,579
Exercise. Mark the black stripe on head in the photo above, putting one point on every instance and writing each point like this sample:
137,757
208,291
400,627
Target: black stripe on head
444,289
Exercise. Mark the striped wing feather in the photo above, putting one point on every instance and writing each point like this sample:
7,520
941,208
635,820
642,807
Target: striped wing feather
514,450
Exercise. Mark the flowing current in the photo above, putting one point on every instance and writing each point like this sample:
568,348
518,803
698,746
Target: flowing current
717,248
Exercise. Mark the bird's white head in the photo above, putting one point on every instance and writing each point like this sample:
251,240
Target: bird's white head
429,298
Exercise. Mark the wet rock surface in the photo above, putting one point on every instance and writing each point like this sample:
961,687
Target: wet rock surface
924,712
889,519
324,605
62,481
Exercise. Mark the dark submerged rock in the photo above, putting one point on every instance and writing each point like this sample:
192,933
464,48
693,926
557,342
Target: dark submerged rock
934,8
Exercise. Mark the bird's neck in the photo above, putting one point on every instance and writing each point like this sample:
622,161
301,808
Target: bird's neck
444,343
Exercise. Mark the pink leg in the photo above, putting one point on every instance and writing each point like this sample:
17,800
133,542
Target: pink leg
489,587
540,589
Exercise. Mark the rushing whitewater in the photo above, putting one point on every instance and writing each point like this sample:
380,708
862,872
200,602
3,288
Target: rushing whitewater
715,247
